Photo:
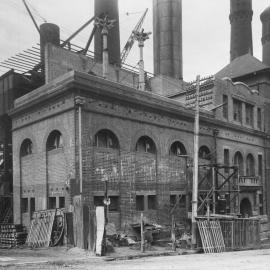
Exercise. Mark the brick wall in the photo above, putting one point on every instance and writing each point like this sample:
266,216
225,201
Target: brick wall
41,174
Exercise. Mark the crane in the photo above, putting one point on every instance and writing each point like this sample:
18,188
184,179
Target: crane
131,39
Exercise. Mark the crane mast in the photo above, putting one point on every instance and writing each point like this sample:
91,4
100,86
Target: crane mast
131,39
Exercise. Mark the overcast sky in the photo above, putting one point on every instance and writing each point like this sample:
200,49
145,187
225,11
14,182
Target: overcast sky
206,29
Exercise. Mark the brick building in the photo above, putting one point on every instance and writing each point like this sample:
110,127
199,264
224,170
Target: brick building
79,132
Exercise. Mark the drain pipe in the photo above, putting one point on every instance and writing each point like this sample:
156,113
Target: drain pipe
79,101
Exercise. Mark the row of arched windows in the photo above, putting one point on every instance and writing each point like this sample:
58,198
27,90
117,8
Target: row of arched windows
250,164
107,139
54,141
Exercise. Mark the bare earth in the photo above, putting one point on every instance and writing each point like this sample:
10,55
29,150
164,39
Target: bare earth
244,260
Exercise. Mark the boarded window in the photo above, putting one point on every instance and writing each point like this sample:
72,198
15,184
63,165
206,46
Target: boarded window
98,200
32,206
24,205
140,203
61,202
52,203
114,204
152,202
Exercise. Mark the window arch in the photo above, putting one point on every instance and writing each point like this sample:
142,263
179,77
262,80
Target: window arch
238,161
146,145
204,153
54,141
26,148
177,149
106,139
250,170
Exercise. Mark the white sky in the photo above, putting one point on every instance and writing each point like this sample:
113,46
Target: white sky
206,29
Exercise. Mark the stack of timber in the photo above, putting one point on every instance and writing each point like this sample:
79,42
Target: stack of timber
12,235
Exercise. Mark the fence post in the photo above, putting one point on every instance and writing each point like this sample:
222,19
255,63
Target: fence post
173,234
142,234
232,231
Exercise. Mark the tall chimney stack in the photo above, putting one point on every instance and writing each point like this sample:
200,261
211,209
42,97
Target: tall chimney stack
49,33
265,18
167,34
109,8
241,29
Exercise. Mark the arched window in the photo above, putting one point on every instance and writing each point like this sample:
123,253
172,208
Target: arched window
177,149
250,169
54,140
106,139
238,161
204,153
26,148
146,145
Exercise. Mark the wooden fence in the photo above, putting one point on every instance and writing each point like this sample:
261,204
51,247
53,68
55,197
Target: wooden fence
211,236
241,233
237,234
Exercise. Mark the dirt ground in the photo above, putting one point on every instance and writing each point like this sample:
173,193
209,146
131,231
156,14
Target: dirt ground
242,260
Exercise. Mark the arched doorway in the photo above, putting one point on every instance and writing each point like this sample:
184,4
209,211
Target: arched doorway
246,208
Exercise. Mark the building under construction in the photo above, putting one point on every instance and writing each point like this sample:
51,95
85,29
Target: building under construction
86,125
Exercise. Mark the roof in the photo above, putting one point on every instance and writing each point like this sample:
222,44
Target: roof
240,66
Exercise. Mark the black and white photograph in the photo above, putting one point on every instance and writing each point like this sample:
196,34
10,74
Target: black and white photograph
135,134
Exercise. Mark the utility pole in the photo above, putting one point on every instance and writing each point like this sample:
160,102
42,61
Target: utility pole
141,37
105,24
195,166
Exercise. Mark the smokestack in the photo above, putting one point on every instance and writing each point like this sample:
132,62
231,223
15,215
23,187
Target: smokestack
167,34
265,18
49,33
109,8
241,29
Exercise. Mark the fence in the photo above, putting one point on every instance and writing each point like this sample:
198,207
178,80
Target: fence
241,234
238,233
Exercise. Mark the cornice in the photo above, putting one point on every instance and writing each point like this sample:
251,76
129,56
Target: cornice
85,85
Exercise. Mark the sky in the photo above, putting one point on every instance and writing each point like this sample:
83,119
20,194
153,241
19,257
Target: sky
206,29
